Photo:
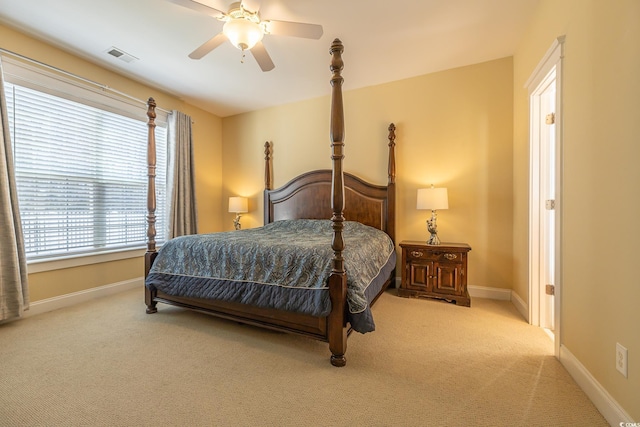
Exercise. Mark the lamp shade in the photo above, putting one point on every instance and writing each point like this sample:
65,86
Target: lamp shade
433,198
238,204
242,33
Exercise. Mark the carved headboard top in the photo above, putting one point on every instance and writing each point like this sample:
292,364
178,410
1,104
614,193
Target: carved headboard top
309,196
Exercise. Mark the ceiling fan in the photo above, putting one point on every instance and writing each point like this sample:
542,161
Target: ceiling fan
244,29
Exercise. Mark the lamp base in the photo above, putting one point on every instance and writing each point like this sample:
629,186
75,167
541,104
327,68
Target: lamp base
433,239
432,227
236,222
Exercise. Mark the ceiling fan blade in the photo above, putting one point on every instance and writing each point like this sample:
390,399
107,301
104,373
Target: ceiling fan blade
294,29
208,46
262,57
199,7
251,5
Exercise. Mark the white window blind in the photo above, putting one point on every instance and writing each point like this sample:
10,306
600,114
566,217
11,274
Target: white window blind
81,173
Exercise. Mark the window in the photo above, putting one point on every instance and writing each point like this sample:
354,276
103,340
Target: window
81,172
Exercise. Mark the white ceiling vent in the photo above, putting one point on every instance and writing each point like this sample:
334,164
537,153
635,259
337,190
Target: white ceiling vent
121,55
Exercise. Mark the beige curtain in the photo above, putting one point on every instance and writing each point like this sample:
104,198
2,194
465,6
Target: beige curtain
183,218
14,294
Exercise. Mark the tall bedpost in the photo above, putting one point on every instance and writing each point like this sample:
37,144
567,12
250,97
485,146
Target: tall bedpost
337,279
391,187
337,155
151,253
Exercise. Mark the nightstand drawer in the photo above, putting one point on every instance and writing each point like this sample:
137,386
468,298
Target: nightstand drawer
434,255
416,254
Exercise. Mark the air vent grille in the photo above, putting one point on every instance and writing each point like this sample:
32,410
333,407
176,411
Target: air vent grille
121,55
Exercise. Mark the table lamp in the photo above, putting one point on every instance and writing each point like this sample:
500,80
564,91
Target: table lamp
434,199
238,205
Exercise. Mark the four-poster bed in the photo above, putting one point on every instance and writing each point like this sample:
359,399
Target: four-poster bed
361,230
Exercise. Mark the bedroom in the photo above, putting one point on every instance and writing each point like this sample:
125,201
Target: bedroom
488,196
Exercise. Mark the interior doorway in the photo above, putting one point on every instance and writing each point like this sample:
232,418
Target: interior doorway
545,261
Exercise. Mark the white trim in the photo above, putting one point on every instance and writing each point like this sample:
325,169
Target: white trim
490,293
603,401
55,303
37,75
551,60
521,306
38,266
502,295
534,215
559,190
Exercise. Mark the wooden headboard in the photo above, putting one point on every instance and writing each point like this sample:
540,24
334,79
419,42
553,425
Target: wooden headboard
309,196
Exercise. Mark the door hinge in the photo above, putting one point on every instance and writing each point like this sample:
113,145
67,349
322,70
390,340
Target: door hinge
550,205
550,290
550,118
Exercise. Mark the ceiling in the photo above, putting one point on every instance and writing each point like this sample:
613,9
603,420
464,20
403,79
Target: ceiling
384,41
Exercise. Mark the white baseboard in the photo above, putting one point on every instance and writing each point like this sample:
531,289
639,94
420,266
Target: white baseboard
50,304
503,295
521,306
489,293
608,407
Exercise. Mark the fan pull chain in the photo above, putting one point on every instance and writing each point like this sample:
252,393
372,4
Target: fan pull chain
242,57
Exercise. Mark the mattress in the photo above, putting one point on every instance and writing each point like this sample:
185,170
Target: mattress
283,265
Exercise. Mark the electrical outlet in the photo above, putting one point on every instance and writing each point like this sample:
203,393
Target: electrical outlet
621,359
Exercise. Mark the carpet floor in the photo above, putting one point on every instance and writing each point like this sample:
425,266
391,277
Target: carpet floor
429,363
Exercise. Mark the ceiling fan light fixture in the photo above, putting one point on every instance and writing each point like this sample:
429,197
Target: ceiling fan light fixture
243,33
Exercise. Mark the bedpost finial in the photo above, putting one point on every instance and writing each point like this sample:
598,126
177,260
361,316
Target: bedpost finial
151,111
151,174
267,166
336,45
336,60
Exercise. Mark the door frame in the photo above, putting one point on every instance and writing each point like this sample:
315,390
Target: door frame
551,60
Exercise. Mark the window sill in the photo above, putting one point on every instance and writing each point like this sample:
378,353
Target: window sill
40,266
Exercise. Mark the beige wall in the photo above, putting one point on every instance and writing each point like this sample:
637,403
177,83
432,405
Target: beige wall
601,197
454,129
207,130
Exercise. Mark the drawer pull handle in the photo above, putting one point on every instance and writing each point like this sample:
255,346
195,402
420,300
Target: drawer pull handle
416,254
450,256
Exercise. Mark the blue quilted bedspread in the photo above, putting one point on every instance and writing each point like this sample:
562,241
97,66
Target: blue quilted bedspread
283,265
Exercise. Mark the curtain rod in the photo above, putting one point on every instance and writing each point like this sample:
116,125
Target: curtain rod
75,76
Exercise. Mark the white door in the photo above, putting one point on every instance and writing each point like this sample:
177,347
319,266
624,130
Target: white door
546,202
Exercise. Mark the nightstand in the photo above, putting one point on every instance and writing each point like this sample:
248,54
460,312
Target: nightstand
435,271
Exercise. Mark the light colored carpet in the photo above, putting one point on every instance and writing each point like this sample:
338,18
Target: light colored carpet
429,363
